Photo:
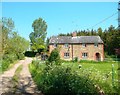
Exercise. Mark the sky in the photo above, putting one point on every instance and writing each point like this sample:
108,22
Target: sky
61,17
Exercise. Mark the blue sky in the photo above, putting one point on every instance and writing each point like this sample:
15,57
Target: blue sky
62,17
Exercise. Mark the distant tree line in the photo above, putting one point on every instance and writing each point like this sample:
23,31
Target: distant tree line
13,45
110,37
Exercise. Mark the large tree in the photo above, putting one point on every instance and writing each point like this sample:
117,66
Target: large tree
7,28
38,35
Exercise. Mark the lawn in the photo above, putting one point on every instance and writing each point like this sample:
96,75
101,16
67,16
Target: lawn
101,73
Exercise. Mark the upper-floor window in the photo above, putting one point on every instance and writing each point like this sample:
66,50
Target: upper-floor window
66,55
66,45
96,45
55,45
83,45
84,55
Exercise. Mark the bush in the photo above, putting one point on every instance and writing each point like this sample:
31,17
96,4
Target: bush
30,53
4,65
54,56
9,57
75,59
58,80
20,56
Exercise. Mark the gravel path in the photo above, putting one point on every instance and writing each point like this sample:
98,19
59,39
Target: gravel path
25,86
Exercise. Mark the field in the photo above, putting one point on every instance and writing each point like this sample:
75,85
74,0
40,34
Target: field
104,75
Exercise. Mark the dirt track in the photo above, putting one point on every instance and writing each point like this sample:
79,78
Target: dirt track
25,86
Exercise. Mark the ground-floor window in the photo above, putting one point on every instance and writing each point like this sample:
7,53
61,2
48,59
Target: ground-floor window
66,55
84,55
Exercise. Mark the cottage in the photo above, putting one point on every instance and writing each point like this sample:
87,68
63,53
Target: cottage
82,47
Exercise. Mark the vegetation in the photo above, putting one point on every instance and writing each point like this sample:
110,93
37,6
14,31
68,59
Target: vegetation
69,78
15,78
38,36
13,45
110,37
17,73
58,80
54,56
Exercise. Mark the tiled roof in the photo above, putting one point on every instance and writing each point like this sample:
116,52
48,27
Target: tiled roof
77,39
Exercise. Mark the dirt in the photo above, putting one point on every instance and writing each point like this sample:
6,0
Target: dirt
25,85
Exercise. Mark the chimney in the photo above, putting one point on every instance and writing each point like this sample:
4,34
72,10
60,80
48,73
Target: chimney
74,34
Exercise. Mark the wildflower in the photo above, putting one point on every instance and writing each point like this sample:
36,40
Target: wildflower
80,66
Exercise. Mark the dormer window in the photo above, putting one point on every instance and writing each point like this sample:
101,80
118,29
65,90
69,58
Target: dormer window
83,45
66,45
96,44
55,45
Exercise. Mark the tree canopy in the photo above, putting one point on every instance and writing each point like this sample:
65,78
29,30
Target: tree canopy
38,35
13,45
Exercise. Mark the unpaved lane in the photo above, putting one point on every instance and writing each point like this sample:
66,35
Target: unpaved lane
25,82
5,78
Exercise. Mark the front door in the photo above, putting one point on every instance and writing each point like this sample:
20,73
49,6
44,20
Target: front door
98,58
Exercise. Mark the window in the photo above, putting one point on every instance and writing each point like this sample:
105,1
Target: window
66,55
84,55
66,45
83,45
55,45
96,45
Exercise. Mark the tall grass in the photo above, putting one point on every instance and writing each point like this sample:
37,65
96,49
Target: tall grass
59,80
98,73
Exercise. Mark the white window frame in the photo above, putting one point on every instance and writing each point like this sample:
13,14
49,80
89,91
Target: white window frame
84,55
66,55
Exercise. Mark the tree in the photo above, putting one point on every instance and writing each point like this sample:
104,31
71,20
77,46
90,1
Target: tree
99,31
7,28
54,56
13,45
38,36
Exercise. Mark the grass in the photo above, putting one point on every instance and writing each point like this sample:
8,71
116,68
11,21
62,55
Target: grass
17,73
102,69
100,72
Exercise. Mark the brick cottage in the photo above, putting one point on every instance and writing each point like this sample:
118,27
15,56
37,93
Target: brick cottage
82,47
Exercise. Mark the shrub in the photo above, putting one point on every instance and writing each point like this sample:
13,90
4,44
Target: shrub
4,65
30,53
58,80
54,56
20,56
75,59
10,57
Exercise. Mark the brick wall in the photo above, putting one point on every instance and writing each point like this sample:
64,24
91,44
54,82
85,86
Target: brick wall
76,50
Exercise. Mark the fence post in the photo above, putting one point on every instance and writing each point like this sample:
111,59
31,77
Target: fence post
113,75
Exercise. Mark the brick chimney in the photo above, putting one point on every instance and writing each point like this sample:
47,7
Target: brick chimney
74,34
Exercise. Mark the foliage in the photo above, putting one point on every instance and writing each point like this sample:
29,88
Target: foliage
75,59
17,73
49,78
13,45
47,44
58,80
38,36
54,56
30,53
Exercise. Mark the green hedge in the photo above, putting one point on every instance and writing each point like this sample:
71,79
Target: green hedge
60,80
8,59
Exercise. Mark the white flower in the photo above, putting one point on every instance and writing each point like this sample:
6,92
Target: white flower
80,66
